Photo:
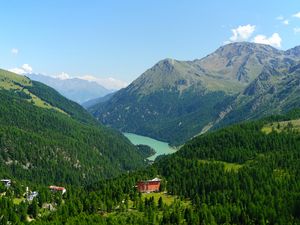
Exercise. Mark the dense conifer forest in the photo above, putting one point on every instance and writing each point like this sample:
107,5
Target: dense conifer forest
237,175
46,138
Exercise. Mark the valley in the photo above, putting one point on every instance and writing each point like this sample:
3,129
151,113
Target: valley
243,170
150,112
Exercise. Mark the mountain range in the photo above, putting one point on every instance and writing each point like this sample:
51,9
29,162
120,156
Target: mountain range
176,100
98,100
75,89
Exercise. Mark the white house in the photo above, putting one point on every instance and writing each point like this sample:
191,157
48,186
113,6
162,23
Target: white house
6,182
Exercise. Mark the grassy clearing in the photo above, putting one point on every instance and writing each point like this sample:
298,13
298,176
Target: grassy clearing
281,174
40,103
167,199
17,201
227,166
12,81
7,78
281,126
232,166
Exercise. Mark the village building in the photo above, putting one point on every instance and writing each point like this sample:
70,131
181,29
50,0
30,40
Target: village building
58,189
48,206
32,195
6,182
148,186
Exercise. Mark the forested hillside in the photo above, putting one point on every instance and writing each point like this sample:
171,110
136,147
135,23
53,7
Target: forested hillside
240,174
237,175
45,138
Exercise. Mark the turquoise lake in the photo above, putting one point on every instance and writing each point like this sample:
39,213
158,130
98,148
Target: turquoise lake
160,147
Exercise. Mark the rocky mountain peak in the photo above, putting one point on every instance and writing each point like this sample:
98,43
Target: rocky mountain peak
294,52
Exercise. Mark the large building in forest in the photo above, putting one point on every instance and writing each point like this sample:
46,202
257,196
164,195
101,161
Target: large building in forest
148,186
58,189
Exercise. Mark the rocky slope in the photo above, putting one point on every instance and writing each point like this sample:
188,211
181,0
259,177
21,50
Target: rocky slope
175,100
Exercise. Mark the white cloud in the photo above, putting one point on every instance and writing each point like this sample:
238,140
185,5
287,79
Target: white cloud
62,76
297,30
19,71
286,22
283,20
109,82
280,18
14,51
27,68
242,33
24,69
274,40
226,42
297,15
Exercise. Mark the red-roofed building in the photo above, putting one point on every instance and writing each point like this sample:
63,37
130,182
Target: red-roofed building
56,189
149,185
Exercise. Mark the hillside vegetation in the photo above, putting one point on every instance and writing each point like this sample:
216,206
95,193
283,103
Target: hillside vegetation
45,138
237,175
282,126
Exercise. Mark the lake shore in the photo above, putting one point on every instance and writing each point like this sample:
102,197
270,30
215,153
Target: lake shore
160,147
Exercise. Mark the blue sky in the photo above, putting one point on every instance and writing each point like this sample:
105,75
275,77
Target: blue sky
121,39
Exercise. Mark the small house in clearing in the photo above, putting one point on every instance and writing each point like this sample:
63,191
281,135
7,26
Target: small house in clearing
32,195
6,182
58,189
148,186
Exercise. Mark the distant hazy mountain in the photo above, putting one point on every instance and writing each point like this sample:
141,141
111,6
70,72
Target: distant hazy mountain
96,101
175,100
75,89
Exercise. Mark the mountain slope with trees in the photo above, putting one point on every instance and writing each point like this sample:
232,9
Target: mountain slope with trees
45,138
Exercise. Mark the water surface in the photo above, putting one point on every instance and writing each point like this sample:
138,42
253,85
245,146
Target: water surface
160,147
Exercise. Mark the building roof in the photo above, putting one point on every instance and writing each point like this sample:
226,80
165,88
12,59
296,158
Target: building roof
153,180
57,188
156,179
5,180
